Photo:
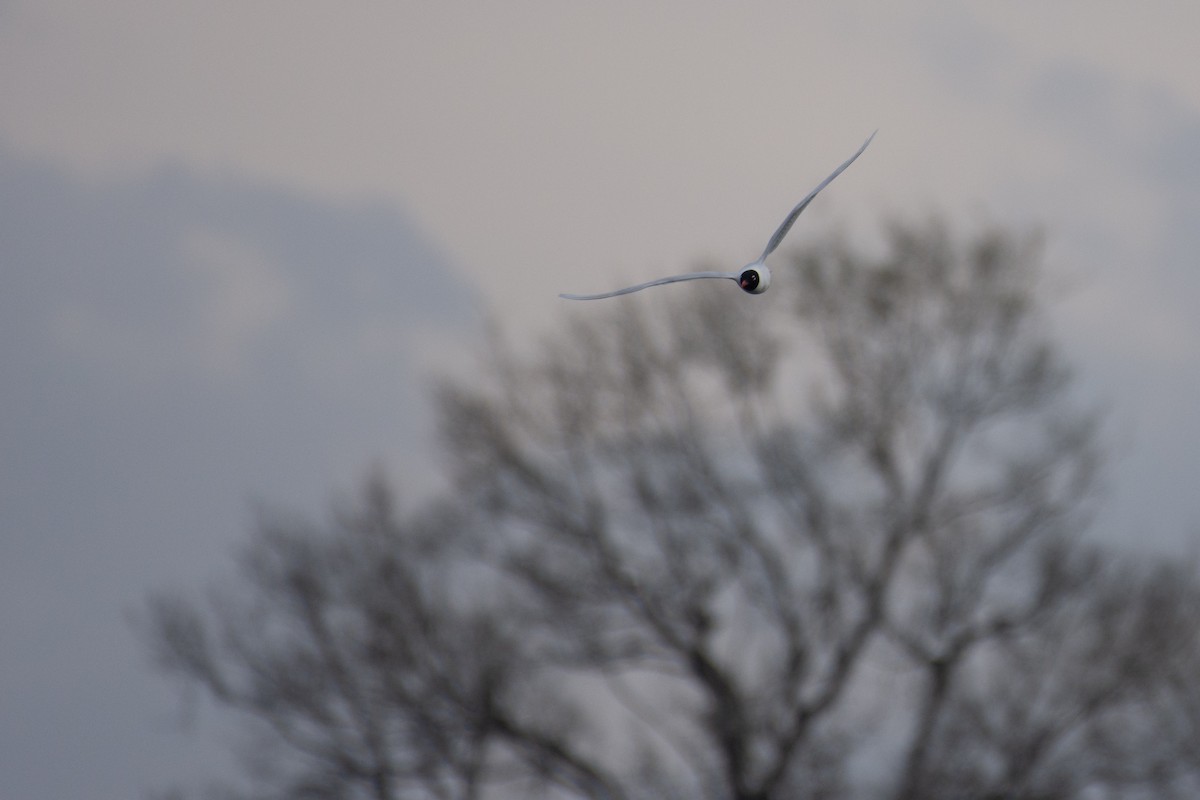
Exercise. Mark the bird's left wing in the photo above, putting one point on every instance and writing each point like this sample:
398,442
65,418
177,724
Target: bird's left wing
786,225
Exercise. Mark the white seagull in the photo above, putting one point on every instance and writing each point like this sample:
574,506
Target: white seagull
755,277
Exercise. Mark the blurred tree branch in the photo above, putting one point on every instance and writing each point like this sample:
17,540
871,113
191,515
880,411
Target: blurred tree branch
732,549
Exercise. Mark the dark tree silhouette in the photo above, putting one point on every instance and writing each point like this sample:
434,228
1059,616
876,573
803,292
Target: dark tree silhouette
824,543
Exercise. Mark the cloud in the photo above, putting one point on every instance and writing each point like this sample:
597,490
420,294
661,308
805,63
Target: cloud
173,344
1134,321
968,57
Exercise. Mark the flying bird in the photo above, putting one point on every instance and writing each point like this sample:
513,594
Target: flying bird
755,277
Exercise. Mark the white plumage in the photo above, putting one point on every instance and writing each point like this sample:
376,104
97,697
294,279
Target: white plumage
755,277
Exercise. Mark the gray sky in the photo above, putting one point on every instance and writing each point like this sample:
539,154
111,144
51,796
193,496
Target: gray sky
235,238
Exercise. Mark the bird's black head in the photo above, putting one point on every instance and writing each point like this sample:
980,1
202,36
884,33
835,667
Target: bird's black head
755,279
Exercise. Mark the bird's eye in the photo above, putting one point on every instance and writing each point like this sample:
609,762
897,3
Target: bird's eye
755,281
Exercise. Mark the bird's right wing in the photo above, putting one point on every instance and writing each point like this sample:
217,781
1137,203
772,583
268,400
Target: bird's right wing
691,276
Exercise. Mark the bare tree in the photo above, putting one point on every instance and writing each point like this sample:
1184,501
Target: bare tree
818,544
367,671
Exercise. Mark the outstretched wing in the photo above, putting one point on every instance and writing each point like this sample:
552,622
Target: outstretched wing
786,225
691,276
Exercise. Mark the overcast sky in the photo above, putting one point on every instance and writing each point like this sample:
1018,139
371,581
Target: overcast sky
235,238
